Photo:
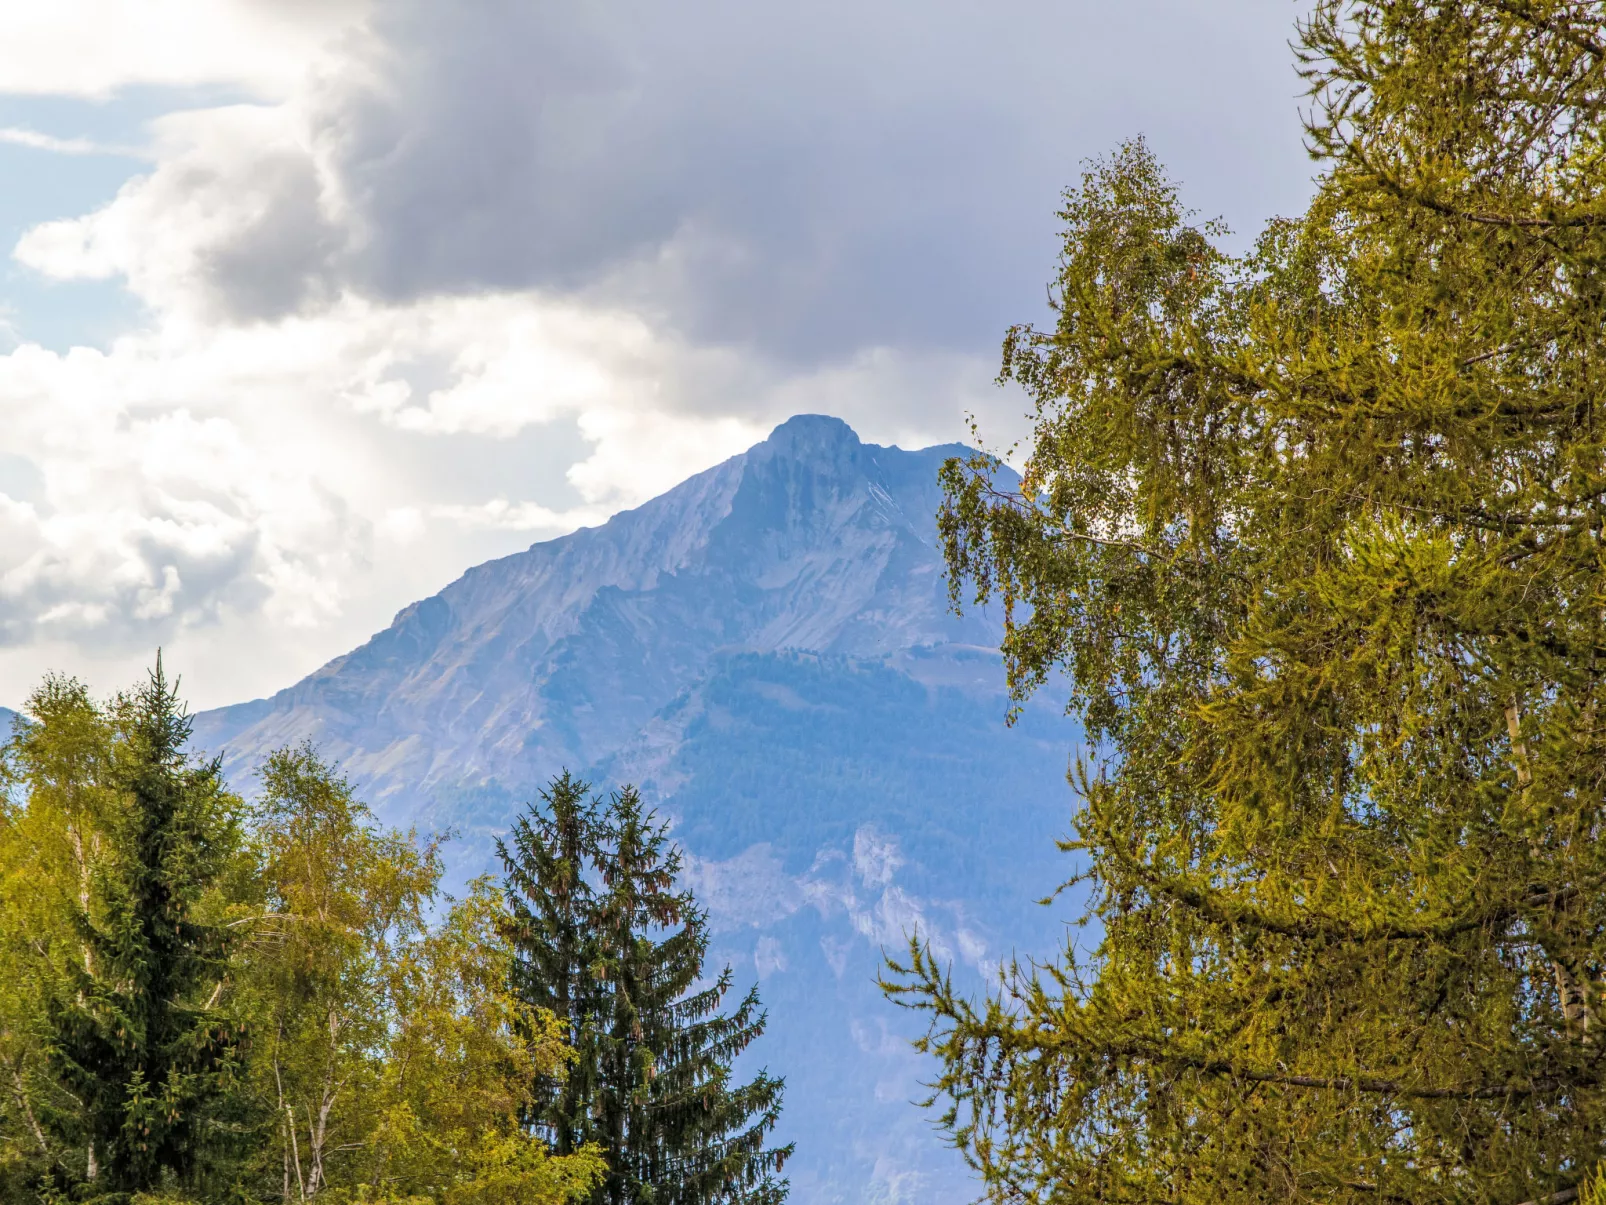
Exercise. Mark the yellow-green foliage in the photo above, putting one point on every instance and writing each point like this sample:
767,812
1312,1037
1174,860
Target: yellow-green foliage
385,1059
395,1058
54,837
1319,531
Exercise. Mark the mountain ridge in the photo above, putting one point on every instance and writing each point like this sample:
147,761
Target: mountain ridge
767,651
809,540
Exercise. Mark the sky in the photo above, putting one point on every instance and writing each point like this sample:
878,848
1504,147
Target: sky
309,305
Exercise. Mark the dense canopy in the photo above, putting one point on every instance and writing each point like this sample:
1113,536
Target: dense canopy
1318,531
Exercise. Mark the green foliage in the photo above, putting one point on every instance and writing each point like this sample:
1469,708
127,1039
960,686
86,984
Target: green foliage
558,941
126,1072
55,803
1319,533
396,1061
608,945
200,1010
340,903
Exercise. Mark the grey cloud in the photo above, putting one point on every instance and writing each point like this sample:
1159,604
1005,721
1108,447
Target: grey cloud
276,259
806,180
148,588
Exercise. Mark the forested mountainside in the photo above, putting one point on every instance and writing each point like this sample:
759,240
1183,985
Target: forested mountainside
767,651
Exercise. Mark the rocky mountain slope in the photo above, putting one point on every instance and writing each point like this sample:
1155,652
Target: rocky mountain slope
558,655
767,651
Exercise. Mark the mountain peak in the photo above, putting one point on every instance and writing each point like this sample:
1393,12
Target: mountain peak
766,650
813,434
812,540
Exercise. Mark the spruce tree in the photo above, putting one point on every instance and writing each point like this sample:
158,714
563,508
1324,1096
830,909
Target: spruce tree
553,926
135,1034
623,953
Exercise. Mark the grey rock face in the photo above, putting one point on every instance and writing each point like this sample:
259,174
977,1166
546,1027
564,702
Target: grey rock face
559,655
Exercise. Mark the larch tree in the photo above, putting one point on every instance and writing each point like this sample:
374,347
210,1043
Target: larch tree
1319,532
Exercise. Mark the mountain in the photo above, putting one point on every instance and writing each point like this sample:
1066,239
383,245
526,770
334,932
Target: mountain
559,654
767,650
6,718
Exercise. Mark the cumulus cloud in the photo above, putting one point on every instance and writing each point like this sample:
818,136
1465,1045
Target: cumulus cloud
94,47
808,182
247,478
235,221
152,522
440,277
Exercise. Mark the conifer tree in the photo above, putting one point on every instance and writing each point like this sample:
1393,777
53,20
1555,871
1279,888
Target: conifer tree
623,953
554,928
1318,532
134,1034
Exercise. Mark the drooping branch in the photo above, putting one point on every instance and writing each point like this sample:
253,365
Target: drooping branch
1369,1085
1224,909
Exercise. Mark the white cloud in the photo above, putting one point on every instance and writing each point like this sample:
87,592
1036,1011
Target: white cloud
535,364
420,242
258,479
94,47
768,957
154,521
649,448
34,140
405,523
236,221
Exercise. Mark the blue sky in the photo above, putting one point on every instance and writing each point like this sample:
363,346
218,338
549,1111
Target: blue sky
310,305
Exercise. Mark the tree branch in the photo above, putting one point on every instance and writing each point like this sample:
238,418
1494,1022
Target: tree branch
1370,1085
1555,1198
1221,908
